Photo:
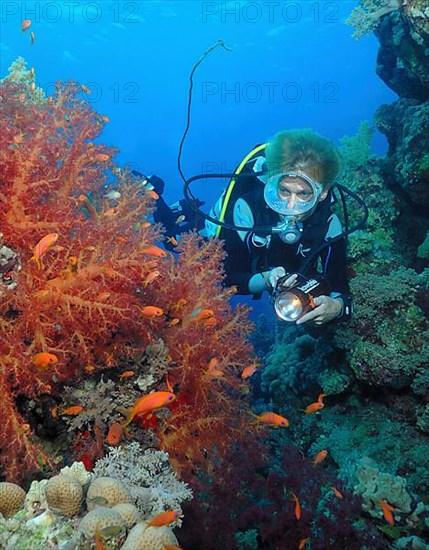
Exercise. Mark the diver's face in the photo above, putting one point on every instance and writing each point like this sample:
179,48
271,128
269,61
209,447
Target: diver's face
295,191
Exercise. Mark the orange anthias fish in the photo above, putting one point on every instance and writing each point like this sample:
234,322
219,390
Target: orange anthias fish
387,511
297,506
212,369
173,322
103,296
152,311
164,518
303,543
210,323
116,433
173,241
26,24
247,372
153,194
89,368
336,492
126,374
72,411
316,406
98,540
149,403
151,277
110,212
42,247
272,419
44,359
320,457
203,315
101,157
213,363
154,251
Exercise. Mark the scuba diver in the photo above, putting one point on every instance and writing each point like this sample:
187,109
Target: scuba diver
275,217
286,185
176,219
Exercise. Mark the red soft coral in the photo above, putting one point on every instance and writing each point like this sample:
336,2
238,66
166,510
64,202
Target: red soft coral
84,304
210,412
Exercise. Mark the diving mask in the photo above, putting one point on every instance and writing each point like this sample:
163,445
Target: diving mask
304,200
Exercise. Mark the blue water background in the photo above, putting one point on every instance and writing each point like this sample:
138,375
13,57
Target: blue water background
292,64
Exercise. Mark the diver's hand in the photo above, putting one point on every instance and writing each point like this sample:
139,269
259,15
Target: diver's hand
327,309
288,282
271,277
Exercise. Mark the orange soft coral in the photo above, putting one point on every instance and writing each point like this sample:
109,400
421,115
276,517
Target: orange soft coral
81,302
209,413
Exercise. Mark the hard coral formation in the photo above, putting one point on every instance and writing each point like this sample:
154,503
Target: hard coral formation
12,498
375,485
405,123
108,521
144,537
100,518
402,61
109,490
294,363
128,512
64,495
148,477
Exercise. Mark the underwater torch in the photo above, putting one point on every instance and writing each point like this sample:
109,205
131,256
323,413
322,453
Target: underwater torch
294,302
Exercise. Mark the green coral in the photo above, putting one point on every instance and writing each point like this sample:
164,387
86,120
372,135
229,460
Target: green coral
26,80
334,382
374,431
374,244
247,540
388,348
423,420
356,150
366,17
294,363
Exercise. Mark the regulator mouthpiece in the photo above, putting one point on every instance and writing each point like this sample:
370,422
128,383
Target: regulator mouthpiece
289,230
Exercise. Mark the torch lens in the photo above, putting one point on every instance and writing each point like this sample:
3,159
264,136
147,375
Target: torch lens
288,306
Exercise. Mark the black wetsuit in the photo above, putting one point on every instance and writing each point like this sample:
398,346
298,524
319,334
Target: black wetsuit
308,257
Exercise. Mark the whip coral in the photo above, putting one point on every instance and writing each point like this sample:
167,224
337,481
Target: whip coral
82,300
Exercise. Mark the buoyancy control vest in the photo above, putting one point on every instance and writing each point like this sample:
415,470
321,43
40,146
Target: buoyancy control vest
249,187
